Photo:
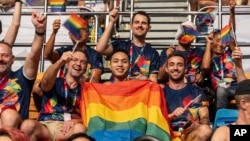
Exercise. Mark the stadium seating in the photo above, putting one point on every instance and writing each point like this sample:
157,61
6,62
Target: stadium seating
224,117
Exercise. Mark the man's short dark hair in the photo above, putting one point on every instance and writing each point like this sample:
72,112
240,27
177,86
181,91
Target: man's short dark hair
141,13
5,43
119,50
80,135
83,52
176,54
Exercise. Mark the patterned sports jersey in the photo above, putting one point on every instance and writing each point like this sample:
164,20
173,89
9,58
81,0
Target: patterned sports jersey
94,59
56,102
15,90
227,66
181,98
144,59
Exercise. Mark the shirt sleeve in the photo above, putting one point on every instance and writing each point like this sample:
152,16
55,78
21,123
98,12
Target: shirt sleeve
96,61
154,65
63,49
163,57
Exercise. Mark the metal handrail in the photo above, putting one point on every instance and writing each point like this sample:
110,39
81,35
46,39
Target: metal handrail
131,12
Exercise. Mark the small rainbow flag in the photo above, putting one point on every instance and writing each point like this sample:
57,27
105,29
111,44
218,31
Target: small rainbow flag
189,34
125,110
207,18
58,5
31,2
74,23
226,34
190,31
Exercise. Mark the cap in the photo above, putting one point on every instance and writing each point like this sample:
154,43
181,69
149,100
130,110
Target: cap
189,24
243,87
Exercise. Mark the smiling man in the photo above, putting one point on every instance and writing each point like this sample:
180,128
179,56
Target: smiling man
144,59
59,117
119,66
187,118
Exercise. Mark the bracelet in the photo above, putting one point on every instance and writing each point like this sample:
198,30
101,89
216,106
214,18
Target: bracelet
40,33
17,0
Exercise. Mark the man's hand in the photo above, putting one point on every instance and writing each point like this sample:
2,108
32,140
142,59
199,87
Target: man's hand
198,78
138,76
56,25
190,128
209,38
237,56
170,50
67,126
177,112
232,4
38,21
66,57
113,15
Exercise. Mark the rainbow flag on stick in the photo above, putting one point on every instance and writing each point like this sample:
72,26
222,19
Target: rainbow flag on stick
58,5
207,18
189,34
74,23
226,35
124,111
190,31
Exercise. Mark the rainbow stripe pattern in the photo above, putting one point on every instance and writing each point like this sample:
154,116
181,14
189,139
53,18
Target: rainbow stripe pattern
189,34
225,34
74,23
206,18
125,110
58,5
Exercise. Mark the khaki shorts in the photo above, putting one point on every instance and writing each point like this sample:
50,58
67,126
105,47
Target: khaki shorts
53,127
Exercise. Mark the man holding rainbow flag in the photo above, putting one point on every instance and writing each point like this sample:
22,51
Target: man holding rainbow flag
187,103
218,62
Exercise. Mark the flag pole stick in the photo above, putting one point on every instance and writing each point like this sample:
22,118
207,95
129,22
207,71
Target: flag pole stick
234,35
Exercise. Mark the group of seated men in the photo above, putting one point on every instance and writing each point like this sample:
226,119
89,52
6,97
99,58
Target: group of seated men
179,69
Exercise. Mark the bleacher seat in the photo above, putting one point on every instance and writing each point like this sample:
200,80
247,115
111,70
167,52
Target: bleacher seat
225,117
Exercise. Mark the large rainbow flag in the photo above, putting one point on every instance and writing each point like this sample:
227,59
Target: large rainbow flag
125,110
74,23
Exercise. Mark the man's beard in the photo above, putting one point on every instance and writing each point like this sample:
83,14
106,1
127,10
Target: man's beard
5,68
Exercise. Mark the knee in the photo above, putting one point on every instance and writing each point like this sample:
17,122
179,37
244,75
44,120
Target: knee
221,92
79,128
10,118
28,126
206,132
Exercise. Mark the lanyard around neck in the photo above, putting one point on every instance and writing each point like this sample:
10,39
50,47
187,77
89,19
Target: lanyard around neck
3,81
131,58
66,92
221,67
